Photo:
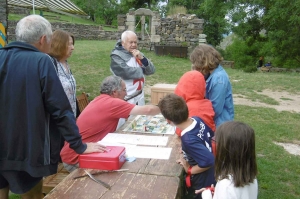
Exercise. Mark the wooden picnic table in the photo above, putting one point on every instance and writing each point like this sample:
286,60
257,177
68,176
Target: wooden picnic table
145,178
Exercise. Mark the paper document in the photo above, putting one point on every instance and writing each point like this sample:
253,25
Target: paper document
136,139
142,151
149,152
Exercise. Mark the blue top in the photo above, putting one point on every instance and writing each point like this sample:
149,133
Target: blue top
219,92
197,150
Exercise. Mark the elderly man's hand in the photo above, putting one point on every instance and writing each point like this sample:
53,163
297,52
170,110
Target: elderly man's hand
137,54
94,147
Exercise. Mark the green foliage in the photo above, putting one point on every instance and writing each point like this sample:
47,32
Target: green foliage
136,4
250,69
101,10
215,24
242,55
266,22
174,10
14,196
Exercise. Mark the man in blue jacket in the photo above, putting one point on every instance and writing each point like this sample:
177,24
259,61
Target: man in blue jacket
35,112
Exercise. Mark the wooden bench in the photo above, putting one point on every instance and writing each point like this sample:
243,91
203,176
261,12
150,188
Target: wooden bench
82,101
51,181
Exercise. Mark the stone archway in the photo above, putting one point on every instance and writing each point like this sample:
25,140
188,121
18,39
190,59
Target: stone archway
154,20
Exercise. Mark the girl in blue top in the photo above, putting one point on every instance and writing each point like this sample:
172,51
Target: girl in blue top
206,60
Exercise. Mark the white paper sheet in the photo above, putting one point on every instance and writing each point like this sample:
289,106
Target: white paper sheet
149,152
142,151
136,139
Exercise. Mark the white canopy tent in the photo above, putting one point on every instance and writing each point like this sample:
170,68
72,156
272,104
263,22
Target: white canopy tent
60,6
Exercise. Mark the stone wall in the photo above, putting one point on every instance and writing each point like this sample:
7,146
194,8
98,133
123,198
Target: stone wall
178,30
181,30
80,31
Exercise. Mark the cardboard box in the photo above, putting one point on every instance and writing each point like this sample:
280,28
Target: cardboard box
113,159
158,91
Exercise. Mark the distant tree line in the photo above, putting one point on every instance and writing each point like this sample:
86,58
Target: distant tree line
268,28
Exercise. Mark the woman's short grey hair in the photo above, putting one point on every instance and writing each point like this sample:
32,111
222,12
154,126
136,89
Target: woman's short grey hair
125,35
111,84
31,28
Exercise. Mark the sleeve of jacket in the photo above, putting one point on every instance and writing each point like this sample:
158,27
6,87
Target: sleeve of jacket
150,68
119,67
58,106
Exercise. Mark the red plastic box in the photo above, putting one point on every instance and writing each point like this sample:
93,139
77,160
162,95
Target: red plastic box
113,159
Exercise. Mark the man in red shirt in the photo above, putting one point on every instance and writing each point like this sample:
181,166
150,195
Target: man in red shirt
101,116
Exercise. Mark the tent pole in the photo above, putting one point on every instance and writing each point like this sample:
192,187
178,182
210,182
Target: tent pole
33,7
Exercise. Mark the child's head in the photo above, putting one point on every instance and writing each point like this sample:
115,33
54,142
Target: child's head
236,153
174,108
205,58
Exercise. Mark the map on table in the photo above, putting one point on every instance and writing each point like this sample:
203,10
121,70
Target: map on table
150,124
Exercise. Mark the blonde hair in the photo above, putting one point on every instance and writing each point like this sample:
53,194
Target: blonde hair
205,58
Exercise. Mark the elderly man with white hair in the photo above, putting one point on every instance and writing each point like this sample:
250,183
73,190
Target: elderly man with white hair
131,65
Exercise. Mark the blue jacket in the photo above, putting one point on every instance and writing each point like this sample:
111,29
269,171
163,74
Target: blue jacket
35,112
219,92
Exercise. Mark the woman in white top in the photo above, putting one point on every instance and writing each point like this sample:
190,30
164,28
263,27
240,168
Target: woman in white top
235,166
62,46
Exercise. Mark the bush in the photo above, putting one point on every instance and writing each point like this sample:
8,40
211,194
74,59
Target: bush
250,69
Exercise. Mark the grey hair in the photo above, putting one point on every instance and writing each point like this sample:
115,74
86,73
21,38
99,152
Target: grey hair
110,84
31,28
125,35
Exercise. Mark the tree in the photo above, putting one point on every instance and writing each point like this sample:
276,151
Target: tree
276,29
136,4
215,24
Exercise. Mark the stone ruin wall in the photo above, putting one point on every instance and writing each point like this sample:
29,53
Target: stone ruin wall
179,30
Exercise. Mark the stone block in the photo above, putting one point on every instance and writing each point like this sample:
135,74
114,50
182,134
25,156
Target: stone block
197,31
121,28
155,23
130,18
130,23
155,38
143,11
191,26
197,21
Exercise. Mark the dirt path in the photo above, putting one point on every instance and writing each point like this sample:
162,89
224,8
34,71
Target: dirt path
287,101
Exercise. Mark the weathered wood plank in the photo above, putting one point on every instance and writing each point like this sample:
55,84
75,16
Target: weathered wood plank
167,167
124,185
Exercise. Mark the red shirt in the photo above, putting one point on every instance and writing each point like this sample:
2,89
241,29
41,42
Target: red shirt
99,118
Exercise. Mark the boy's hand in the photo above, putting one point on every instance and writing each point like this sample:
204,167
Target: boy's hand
184,164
